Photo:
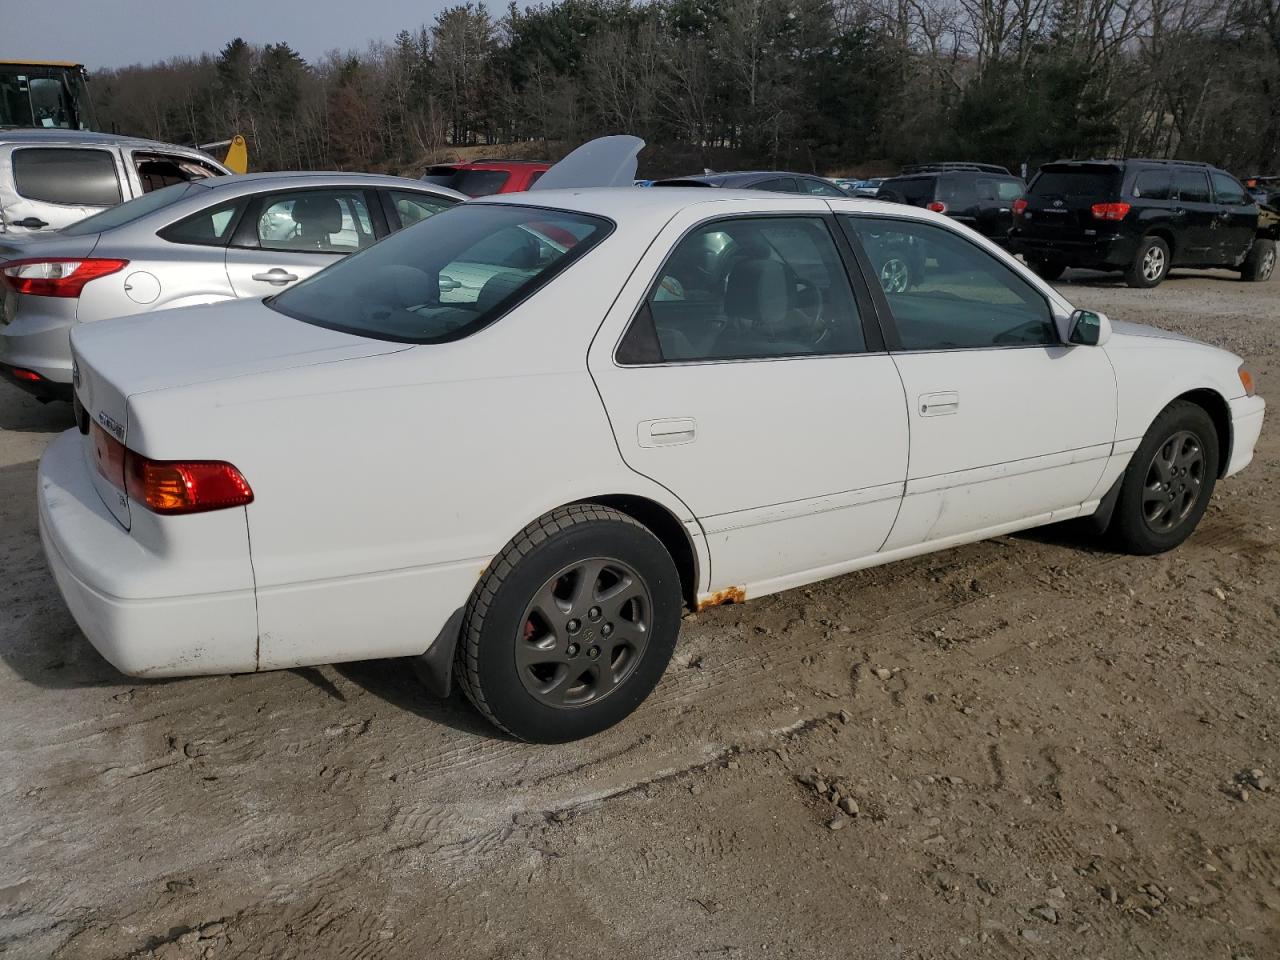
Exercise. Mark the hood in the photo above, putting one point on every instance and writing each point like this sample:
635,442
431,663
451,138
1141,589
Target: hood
1124,328
119,358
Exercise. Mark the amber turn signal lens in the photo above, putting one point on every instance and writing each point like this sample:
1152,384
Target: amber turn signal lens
1246,381
186,486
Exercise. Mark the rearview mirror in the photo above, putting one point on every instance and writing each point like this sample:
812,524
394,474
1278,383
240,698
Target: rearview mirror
1088,329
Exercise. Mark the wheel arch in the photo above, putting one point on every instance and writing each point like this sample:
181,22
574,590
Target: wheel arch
1165,234
1215,405
664,525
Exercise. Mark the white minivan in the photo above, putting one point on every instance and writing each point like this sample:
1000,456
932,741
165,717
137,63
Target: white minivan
52,178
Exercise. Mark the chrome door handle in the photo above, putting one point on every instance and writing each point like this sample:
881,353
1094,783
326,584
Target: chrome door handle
666,433
939,404
276,277
448,283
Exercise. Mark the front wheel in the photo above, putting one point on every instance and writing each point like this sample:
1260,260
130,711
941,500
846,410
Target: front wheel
1168,483
1150,264
571,626
1260,262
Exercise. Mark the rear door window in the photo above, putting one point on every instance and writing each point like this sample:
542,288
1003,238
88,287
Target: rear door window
1191,186
314,221
748,288
72,176
1153,185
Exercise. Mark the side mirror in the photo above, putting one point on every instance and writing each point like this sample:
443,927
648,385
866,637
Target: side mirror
1088,329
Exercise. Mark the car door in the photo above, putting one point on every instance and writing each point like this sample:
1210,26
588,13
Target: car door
1237,218
751,381
286,236
994,208
1195,218
1009,426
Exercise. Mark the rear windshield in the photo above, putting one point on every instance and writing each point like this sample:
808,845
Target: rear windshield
914,190
130,210
1075,184
446,277
480,183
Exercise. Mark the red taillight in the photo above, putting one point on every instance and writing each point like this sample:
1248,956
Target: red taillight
937,206
56,278
1019,206
169,486
1110,211
185,486
27,375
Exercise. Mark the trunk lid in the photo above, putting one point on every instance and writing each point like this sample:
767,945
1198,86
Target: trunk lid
116,359
1060,199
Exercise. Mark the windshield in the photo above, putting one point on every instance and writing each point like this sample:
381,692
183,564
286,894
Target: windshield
36,95
1079,183
446,277
129,211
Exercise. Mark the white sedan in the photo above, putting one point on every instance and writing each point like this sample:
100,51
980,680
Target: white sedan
518,439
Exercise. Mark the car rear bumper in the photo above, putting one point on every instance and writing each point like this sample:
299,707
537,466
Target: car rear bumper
1246,427
40,344
95,560
1100,252
41,388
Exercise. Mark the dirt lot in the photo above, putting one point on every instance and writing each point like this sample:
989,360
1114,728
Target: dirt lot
1042,740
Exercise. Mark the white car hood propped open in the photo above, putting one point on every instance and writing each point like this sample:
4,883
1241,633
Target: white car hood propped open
603,162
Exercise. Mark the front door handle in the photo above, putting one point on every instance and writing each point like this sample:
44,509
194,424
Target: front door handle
30,223
276,277
666,433
939,404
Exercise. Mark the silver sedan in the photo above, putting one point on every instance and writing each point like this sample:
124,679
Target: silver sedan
191,243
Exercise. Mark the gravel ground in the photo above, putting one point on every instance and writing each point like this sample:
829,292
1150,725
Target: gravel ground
1028,747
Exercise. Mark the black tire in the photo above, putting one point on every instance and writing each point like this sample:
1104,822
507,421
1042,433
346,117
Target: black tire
1260,263
1150,264
501,615
1049,270
1141,493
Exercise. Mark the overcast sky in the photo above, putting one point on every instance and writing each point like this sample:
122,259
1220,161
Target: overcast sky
113,33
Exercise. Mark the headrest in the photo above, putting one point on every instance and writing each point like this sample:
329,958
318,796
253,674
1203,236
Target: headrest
316,215
756,290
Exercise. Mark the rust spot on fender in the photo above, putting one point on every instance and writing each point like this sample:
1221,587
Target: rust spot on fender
721,597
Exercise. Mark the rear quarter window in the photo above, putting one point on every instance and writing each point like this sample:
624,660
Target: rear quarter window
72,177
1152,185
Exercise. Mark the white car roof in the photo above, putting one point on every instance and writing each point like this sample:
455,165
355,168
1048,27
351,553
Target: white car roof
85,138
635,204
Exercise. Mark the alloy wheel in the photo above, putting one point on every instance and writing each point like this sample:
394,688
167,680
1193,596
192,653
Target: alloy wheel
583,633
1174,479
1153,264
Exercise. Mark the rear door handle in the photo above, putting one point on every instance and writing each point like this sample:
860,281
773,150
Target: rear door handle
30,223
939,404
276,277
666,433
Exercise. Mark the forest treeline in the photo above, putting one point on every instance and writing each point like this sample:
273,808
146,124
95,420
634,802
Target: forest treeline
814,85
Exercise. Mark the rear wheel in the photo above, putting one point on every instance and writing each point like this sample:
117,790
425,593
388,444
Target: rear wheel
1169,481
1048,269
1260,262
571,626
1150,264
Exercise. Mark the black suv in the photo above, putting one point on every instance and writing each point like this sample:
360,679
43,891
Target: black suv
979,195
1141,217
